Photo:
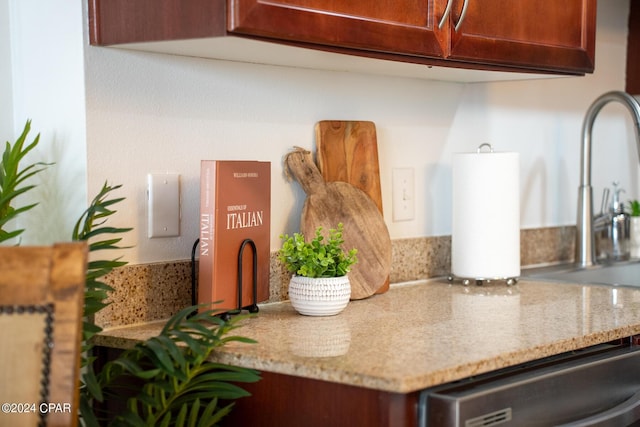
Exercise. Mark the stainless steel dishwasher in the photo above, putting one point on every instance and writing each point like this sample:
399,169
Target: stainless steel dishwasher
597,386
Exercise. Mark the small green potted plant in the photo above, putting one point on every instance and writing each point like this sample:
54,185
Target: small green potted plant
320,285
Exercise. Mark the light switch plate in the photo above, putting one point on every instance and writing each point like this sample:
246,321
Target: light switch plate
403,194
163,191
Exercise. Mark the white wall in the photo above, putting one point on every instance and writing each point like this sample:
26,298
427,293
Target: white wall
6,92
151,113
48,88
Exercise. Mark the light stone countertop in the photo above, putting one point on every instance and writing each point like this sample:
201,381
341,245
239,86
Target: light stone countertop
424,333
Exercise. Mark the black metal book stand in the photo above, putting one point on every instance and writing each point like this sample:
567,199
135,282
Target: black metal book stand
253,307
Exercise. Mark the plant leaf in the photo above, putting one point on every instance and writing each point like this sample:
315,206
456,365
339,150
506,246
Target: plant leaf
12,176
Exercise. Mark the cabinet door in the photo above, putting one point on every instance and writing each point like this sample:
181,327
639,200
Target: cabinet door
549,35
391,26
633,49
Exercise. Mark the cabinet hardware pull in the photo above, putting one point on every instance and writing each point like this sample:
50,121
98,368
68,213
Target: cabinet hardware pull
462,14
445,15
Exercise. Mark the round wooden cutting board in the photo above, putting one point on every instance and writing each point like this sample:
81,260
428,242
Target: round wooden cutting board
347,151
331,203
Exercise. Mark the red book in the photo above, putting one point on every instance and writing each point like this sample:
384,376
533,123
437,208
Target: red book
235,205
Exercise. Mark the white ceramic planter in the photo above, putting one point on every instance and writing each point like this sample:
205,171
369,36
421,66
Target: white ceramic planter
634,241
321,296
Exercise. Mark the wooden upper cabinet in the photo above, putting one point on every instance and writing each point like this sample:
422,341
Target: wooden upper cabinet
633,50
389,26
506,35
553,35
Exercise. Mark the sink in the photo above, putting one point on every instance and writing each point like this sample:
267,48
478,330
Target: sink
618,274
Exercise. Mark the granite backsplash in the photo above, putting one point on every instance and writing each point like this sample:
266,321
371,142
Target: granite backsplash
147,292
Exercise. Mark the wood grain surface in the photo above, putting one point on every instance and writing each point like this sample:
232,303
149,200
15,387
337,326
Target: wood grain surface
330,203
347,151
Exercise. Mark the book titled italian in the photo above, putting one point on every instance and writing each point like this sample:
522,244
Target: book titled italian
235,215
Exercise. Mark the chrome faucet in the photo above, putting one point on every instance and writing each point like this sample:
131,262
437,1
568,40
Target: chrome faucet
612,227
585,236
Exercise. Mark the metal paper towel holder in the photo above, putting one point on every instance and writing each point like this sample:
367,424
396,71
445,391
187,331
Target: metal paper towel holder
510,281
485,144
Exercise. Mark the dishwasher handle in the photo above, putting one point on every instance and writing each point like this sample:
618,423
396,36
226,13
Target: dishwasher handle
625,413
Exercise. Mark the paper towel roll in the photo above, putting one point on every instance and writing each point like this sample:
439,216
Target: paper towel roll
485,238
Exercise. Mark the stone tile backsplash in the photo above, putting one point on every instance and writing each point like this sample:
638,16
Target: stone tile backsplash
147,292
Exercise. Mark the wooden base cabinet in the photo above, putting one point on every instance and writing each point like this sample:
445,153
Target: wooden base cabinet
508,35
287,401
279,400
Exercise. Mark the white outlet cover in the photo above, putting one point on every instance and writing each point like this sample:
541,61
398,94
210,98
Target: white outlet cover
163,191
403,194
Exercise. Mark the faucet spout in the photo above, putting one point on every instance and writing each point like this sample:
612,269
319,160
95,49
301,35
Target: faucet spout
585,236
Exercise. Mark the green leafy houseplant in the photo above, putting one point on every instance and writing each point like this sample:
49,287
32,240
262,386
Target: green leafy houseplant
12,180
91,225
318,257
320,285
634,205
178,386
167,378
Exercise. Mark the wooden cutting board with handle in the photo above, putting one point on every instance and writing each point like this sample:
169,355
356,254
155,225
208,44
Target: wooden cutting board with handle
331,203
347,151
